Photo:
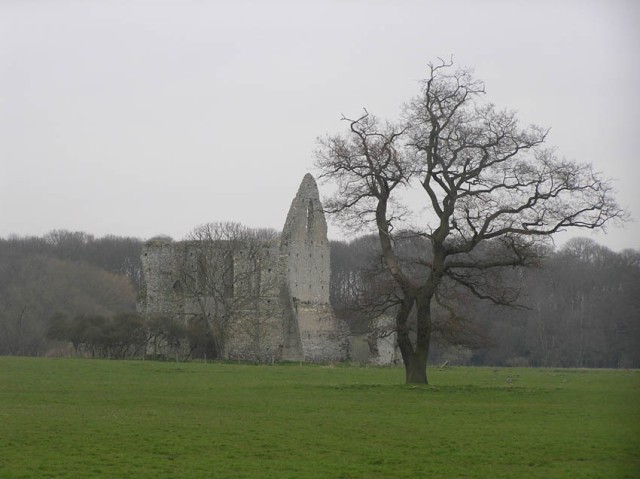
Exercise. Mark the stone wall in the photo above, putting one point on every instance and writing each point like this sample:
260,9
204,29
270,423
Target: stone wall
305,247
289,317
159,267
306,260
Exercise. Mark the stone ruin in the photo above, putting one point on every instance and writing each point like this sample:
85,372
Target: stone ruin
288,317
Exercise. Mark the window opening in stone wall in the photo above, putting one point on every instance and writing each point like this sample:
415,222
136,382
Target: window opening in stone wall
309,217
228,275
255,279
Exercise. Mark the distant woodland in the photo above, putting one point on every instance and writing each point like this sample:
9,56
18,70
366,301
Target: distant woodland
70,293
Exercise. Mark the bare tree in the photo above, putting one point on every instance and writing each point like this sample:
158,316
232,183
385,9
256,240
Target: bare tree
492,192
226,271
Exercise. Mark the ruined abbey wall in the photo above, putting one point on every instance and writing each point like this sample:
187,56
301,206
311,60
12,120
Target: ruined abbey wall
306,256
305,246
289,316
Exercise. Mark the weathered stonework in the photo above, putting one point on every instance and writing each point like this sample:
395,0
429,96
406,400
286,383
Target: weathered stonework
290,318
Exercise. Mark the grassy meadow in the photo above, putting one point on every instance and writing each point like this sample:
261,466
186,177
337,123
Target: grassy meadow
65,418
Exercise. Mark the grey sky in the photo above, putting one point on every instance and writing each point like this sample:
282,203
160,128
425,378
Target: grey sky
146,117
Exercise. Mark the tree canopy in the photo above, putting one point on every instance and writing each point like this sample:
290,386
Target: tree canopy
493,193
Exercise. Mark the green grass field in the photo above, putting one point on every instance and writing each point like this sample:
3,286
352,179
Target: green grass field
120,419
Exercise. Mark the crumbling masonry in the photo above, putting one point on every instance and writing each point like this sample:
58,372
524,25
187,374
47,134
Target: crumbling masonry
288,317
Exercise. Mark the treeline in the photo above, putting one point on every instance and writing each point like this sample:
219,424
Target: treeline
62,273
119,255
583,310
579,308
71,293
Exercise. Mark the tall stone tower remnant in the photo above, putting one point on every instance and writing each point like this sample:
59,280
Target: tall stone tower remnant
296,319
304,250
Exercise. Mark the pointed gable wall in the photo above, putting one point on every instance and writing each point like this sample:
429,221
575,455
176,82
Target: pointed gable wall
305,246
304,250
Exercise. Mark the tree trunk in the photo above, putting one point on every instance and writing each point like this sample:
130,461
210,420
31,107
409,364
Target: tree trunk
416,366
416,369
414,358
404,342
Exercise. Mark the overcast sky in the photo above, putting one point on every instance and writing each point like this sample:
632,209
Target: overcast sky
142,117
